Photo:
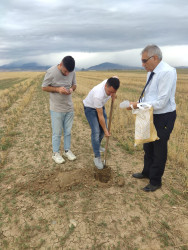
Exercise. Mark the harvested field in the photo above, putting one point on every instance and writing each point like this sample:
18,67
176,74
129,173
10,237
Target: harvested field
50,206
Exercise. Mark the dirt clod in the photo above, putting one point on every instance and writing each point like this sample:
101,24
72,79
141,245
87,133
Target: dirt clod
120,181
103,175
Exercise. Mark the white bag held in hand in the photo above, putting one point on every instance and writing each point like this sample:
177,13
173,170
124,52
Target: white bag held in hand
124,104
144,128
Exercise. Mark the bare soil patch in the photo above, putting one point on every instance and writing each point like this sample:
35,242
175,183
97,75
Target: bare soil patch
62,181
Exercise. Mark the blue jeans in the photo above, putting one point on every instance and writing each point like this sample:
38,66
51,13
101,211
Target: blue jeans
61,121
97,132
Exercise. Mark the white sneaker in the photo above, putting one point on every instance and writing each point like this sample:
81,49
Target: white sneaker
98,163
69,155
58,158
102,150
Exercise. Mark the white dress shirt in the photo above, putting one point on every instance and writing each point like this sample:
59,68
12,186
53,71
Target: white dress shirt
160,92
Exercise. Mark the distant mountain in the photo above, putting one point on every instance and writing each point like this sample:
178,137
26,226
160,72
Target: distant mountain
111,66
17,66
181,67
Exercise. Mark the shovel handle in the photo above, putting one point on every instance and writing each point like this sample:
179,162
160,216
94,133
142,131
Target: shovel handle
109,127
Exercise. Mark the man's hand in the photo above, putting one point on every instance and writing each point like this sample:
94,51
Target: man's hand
60,90
64,91
134,104
106,133
113,96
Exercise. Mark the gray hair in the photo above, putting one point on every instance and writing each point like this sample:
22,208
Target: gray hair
153,50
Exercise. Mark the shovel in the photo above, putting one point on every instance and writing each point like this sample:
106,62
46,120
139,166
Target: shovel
109,125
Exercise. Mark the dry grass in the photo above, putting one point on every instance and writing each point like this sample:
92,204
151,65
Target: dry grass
13,101
40,199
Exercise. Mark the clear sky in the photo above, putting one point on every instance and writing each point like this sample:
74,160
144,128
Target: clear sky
93,32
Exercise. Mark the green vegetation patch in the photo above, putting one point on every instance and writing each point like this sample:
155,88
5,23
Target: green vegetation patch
8,83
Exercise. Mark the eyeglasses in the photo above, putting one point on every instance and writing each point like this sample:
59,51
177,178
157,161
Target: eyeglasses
145,60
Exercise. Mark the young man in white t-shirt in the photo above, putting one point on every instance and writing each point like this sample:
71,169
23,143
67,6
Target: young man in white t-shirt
96,115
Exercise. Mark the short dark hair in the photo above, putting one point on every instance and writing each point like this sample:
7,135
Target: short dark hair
113,82
69,63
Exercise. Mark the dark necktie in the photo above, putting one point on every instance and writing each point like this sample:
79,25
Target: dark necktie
149,79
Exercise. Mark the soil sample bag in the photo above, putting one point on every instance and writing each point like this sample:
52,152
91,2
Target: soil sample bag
144,128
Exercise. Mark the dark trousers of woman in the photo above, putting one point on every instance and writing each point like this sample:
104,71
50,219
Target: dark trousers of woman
156,152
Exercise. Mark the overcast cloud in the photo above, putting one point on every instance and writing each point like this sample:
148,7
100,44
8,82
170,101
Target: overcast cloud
93,32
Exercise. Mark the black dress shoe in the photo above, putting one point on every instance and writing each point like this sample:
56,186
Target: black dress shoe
151,188
139,176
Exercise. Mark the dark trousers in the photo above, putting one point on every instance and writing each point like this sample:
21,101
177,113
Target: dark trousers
156,152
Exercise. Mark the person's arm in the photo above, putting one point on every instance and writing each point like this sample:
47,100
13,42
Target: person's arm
46,85
166,82
60,90
102,121
73,88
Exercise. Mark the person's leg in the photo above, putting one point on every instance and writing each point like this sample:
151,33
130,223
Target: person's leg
148,158
91,115
56,121
101,136
67,126
158,166
164,124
